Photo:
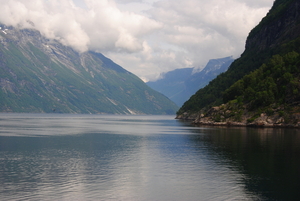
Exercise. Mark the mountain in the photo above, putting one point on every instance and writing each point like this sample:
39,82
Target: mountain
172,84
262,86
41,76
180,84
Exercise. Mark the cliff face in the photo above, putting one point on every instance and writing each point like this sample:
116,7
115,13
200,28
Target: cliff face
259,82
39,75
281,25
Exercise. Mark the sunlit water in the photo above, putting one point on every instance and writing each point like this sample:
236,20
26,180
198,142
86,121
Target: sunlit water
108,157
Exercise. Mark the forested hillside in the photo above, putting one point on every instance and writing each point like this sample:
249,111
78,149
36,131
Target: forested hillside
264,80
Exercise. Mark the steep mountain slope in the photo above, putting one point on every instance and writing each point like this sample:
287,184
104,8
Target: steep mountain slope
273,49
180,84
39,75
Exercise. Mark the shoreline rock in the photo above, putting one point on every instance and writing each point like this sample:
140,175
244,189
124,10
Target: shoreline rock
228,116
240,124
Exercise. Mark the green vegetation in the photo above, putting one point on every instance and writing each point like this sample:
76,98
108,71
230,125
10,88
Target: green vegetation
278,10
266,75
278,82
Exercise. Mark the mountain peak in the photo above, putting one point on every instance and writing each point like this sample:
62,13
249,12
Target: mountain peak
180,84
42,75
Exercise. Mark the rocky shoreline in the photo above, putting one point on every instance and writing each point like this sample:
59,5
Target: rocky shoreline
222,116
262,124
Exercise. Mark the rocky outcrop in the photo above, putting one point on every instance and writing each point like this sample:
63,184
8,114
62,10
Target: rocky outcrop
233,114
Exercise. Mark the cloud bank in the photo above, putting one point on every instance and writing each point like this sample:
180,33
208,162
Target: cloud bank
146,37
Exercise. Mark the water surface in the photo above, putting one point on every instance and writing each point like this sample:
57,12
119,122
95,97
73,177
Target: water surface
110,157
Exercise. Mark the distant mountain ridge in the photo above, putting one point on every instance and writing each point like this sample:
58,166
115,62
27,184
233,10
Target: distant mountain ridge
39,75
180,84
172,83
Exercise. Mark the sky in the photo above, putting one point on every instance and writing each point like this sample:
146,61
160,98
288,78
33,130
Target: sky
146,37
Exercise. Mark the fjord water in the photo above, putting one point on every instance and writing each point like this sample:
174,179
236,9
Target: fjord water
111,157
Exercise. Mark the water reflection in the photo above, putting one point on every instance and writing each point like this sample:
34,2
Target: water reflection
62,166
99,157
268,158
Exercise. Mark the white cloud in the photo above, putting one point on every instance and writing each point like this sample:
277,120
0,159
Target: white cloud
209,28
146,37
98,26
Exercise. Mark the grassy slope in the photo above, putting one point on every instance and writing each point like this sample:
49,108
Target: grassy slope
34,80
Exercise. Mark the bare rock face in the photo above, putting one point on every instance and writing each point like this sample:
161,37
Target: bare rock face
277,28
